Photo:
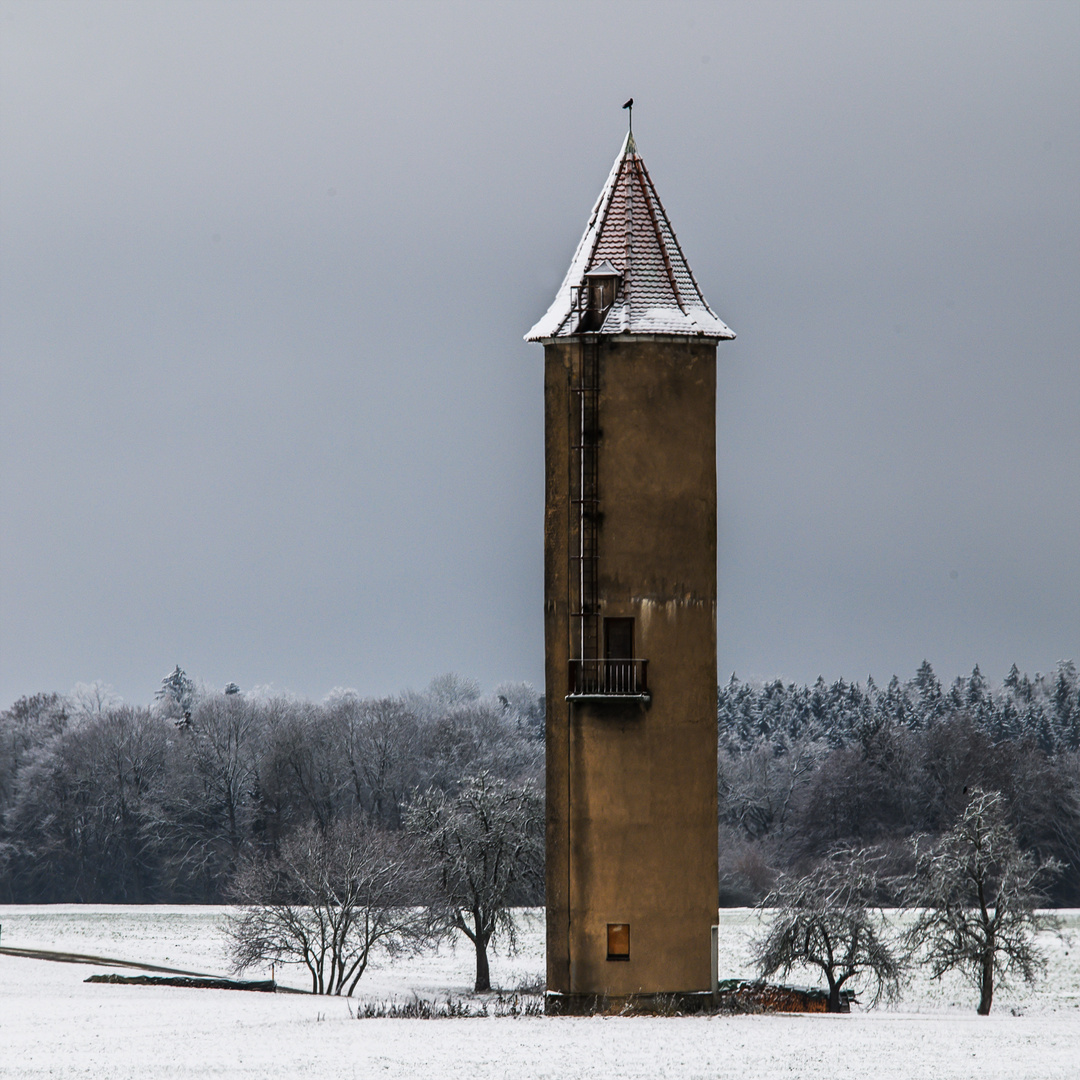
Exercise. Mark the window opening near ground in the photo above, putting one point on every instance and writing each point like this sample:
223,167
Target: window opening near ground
618,941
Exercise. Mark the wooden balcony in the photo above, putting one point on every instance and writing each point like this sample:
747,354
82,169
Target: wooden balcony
609,680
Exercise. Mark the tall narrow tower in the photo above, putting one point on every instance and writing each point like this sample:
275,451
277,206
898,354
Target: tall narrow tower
630,607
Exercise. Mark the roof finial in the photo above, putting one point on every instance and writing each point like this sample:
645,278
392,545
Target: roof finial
630,105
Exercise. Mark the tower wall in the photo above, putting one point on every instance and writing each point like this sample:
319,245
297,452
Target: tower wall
631,787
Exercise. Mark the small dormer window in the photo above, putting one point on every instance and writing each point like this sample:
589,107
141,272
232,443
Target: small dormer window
601,286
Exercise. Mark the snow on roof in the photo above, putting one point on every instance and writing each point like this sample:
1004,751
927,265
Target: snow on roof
629,234
605,269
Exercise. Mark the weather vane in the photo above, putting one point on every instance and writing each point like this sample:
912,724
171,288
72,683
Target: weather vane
630,106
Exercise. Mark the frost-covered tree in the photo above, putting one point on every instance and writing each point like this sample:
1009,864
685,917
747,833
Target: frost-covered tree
977,895
91,699
205,808
1066,699
759,787
485,844
523,705
824,921
444,692
380,744
84,807
177,691
301,768
26,727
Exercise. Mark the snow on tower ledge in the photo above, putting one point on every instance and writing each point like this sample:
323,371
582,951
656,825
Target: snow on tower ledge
629,229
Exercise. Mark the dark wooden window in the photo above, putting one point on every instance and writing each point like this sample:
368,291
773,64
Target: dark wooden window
618,941
602,292
618,639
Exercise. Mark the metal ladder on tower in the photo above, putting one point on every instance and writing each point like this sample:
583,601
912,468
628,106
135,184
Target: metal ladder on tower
586,674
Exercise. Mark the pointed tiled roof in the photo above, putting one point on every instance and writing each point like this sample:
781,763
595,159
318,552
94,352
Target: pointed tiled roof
629,229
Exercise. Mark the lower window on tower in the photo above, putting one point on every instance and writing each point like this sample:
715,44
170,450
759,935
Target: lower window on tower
618,941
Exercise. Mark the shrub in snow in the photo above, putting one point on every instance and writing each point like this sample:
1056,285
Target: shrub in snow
326,902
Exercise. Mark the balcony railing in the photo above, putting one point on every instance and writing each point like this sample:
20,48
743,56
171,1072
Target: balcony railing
602,679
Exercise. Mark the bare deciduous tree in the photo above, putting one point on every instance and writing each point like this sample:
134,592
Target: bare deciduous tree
326,902
301,767
24,728
205,812
379,744
756,787
92,699
977,893
83,808
824,921
486,845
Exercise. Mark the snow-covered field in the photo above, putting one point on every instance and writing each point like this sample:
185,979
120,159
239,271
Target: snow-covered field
53,1024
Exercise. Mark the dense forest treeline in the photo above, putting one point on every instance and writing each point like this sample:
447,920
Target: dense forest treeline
105,802
804,769
116,804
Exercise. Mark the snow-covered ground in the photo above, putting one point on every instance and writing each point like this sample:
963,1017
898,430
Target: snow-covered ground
53,1024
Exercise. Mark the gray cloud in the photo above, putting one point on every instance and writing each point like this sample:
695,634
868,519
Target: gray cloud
266,410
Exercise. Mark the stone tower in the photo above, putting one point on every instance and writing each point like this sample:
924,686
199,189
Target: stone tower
630,608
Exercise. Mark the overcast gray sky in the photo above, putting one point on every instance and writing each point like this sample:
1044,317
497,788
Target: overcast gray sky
266,407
